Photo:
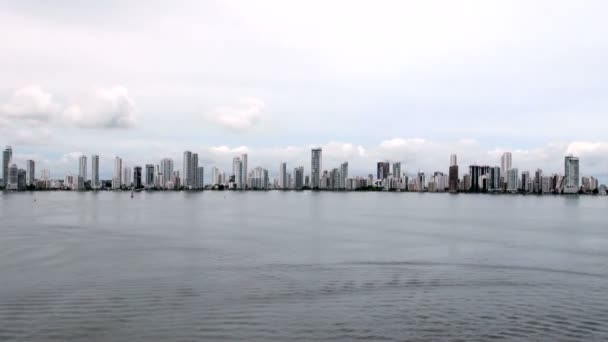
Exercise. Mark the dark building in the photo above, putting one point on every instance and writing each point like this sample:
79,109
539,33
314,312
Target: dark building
149,175
383,170
137,177
21,179
453,178
476,173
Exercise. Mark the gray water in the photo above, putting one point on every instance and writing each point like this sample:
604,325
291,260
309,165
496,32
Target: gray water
302,266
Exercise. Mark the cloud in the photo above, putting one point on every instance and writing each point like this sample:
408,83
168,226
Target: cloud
105,108
224,150
31,104
243,116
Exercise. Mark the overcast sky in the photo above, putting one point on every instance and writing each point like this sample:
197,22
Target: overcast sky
409,81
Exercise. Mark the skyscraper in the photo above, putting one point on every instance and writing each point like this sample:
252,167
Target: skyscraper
126,176
82,168
479,183
525,181
512,179
194,170
453,174
187,175
21,179
494,183
397,170
237,171
316,159
199,179
298,176
571,173
166,172
383,170
505,162
117,176
244,181
13,174
215,176
30,172
137,183
7,157
283,185
95,183
149,176
343,175
538,181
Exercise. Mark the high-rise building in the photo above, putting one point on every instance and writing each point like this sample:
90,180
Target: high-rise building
526,182
149,176
30,172
259,179
7,157
187,175
283,181
334,179
21,179
137,182
244,181
126,176
82,168
316,160
538,176
453,160
298,176
383,170
117,176
512,180
506,162
13,174
237,171
199,179
166,172
95,183
343,175
194,170
479,183
216,176
494,179
571,173
453,178
397,170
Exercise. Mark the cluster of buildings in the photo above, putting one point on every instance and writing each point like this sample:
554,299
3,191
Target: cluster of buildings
503,178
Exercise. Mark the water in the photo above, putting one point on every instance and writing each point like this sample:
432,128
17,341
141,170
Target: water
302,266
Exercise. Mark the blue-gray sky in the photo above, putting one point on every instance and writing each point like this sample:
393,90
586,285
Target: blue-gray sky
409,81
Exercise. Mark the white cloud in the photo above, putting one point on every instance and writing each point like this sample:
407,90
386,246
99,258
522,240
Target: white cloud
243,116
107,108
31,104
224,150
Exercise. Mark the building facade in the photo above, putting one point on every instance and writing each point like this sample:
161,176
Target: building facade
95,182
316,159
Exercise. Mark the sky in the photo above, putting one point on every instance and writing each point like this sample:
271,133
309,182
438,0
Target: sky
409,81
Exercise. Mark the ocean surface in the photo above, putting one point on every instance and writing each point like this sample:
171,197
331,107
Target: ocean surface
284,266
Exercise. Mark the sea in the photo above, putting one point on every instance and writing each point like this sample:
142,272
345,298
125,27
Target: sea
308,266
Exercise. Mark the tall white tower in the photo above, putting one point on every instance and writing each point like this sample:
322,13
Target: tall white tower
117,177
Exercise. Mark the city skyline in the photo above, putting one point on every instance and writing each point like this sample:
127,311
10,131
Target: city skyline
360,159
505,178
